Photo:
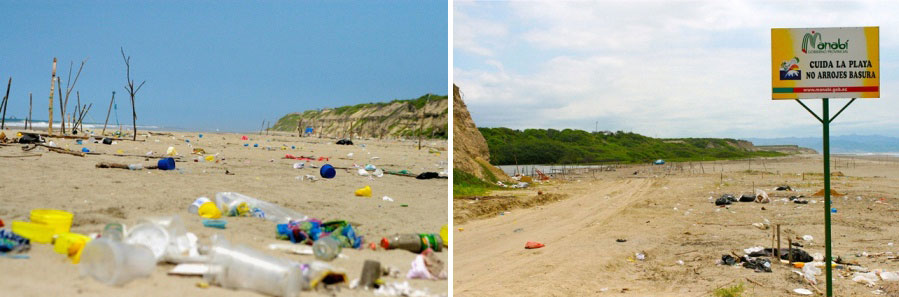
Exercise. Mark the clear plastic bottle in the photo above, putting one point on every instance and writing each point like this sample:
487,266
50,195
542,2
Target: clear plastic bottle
236,204
326,248
137,166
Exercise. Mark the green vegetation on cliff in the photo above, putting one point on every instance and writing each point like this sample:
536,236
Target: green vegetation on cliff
394,118
550,146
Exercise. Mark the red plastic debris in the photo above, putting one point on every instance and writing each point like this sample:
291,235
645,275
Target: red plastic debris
533,245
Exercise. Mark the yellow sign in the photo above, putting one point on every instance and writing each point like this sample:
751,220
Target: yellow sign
825,63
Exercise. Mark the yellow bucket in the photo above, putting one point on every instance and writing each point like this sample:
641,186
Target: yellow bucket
60,221
35,232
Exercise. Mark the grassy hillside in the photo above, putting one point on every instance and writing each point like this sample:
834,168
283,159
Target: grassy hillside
397,118
550,146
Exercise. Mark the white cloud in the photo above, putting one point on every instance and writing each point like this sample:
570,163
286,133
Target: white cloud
663,69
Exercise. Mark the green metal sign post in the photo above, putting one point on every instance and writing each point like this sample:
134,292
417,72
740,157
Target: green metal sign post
825,120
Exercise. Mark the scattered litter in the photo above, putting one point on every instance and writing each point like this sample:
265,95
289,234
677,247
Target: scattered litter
802,291
388,199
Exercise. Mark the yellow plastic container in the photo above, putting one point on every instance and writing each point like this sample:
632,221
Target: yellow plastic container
35,232
210,158
69,243
209,210
444,234
364,192
60,221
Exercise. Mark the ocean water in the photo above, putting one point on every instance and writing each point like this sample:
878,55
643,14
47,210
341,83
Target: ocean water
41,125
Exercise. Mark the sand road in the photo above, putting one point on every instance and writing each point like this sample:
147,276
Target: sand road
670,218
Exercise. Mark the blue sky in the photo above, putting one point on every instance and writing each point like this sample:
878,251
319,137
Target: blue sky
659,68
224,64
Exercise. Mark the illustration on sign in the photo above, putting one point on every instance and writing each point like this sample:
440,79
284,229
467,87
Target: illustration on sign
789,70
811,63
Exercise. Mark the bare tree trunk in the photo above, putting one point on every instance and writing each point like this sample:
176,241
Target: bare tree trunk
107,114
50,109
3,107
133,118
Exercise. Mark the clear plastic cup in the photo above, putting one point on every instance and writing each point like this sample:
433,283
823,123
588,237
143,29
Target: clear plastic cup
116,263
240,267
152,236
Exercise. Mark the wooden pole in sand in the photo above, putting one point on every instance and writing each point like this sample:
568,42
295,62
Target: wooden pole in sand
3,106
778,242
62,111
29,125
107,113
421,120
50,109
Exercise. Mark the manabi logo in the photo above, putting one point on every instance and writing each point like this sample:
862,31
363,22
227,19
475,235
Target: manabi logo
813,43
789,70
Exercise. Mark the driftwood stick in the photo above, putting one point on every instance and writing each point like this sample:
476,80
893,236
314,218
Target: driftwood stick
755,282
29,155
63,151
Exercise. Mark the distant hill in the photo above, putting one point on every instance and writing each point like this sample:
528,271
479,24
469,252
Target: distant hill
843,144
550,146
397,118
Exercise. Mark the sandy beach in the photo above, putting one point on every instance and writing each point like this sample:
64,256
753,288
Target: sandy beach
99,196
668,214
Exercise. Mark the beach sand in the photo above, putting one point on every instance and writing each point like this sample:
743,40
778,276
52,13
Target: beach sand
100,196
668,213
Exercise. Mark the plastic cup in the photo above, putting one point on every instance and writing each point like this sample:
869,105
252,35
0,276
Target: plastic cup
166,164
114,231
240,267
152,236
116,263
35,232
60,221
328,171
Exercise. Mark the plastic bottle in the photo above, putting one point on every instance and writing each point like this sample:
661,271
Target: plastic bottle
236,204
326,248
415,243
135,166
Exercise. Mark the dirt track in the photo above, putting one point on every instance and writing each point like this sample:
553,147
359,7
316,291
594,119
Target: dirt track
670,217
